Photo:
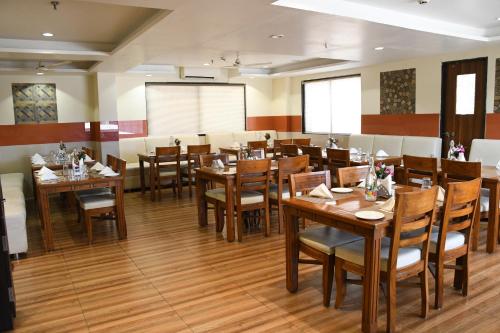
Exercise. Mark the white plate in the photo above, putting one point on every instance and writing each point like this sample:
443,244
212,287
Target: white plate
369,215
342,190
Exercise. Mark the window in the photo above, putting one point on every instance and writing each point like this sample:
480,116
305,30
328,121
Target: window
332,105
466,94
174,108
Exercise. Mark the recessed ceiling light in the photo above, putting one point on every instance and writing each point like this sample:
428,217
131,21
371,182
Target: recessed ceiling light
276,36
206,64
149,75
48,34
378,48
498,18
40,73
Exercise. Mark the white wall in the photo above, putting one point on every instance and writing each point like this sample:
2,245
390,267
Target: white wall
74,93
131,94
287,91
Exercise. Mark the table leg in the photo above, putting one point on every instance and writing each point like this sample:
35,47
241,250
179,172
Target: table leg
45,220
152,182
371,283
141,174
201,188
292,250
492,238
120,211
229,210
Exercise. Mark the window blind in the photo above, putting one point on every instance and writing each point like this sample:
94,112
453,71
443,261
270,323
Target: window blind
194,108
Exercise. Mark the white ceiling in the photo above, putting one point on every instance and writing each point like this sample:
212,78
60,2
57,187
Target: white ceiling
194,32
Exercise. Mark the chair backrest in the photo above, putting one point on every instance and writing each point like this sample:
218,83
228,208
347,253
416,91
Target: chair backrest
90,152
352,176
117,164
289,150
194,152
461,204
315,156
337,158
278,143
414,214
206,160
416,168
167,154
307,181
456,171
253,145
290,166
253,175
302,141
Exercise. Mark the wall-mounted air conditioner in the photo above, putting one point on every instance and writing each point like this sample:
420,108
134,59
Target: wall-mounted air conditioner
194,73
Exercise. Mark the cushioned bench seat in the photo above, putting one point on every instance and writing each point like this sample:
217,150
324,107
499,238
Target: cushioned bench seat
15,211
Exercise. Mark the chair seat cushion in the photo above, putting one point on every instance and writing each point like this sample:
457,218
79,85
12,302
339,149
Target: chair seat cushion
95,191
355,252
97,201
454,239
485,200
12,180
326,239
168,173
247,197
273,191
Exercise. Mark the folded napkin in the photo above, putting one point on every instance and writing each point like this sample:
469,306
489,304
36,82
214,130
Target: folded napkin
97,167
45,171
353,151
441,193
107,171
37,159
219,163
362,184
88,159
387,183
388,205
299,151
498,165
381,153
48,176
321,191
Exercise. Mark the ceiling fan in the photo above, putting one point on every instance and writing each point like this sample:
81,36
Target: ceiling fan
42,67
237,63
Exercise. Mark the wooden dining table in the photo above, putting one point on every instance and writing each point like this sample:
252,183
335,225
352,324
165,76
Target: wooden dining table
65,184
226,177
339,213
235,151
151,160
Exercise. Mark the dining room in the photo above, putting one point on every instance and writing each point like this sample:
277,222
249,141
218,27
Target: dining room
249,166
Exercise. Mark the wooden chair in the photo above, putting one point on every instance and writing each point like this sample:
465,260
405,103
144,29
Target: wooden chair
193,154
168,167
352,176
315,157
253,145
337,158
277,147
289,150
457,171
206,161
90,152
281,190
404,253
251,195
319,243
302,141
452,240
101,204
416,168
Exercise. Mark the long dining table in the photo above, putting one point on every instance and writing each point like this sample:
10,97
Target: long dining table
339,213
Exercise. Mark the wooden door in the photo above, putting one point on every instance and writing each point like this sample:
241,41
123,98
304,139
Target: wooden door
463,99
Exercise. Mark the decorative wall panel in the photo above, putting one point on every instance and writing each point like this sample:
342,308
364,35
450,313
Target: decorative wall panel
34,103
397,92
496,103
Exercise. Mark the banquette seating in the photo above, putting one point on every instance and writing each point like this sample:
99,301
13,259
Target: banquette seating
15,211
397,145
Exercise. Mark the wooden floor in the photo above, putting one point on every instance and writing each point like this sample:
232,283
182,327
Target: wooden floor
172,276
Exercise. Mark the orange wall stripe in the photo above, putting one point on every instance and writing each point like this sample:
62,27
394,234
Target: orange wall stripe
278,123
32,134
493,126
404,124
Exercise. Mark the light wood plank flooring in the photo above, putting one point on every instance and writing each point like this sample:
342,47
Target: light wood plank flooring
172,276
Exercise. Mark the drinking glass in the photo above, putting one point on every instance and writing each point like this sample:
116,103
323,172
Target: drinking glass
426,183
